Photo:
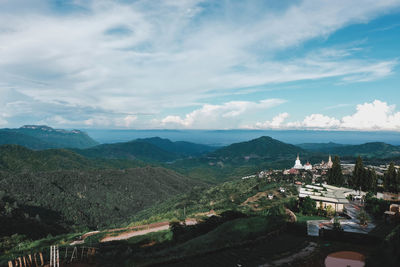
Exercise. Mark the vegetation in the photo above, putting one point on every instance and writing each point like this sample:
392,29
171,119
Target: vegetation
335,176
367,150
391,179
362,216
308,206
376,207
180,148
44,137
14,158
264,147
363,179
95,198
388,252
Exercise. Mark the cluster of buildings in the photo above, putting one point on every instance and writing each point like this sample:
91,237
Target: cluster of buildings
323,166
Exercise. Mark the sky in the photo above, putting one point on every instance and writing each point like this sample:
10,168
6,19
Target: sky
197,64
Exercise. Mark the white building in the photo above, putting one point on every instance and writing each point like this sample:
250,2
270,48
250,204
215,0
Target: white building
328,195
307,166
297,164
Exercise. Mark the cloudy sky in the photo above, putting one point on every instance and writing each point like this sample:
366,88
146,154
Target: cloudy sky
194,64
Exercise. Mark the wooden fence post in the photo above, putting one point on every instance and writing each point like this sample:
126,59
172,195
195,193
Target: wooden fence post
41,259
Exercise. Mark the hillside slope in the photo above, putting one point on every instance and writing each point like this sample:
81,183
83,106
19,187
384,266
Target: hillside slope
369,150
321,147
181,148
263,147
377,150
128,150
15,138
95,198
14,158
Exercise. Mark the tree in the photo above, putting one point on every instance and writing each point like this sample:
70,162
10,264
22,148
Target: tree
358,174
391,179
369,181
308,206
335,176
362,217
336,224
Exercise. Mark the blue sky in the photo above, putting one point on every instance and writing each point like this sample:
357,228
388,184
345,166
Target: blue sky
196,64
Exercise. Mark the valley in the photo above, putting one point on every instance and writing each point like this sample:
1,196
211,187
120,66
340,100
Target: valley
152,201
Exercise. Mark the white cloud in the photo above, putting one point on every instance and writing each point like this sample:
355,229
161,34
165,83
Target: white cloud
275,123
227,115
315,121
117,56
377,115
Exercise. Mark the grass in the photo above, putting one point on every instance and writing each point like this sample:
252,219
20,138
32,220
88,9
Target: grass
229,234
30,247
249,255
301,218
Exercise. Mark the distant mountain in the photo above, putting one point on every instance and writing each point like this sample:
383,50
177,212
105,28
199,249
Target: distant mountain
378,150
147,149
262,147
321,147
129,150
44,137
180,147
368,150
16,138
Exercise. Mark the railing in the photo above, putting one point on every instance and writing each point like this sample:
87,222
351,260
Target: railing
57,255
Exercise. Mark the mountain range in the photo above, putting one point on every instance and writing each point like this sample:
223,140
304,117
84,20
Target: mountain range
377,150
43,137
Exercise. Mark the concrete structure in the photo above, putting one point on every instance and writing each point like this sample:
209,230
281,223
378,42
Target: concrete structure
328,195
388,196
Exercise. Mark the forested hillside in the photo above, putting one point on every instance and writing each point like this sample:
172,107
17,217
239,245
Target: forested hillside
377,150
264,147
95,198
20,159
180,148
129,150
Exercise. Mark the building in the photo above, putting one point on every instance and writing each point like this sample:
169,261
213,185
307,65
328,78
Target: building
329,164
327,195
307,166
297,164
389,196
325,165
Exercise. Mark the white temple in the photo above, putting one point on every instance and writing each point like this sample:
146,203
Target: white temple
330,163
297,164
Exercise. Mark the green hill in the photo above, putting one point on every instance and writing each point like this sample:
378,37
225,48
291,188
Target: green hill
369,150
261,148
11,137
321,147
377,150
44,137
16,158
129,150
94,198
181,148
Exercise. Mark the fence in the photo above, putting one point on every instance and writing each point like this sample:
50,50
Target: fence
54,256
